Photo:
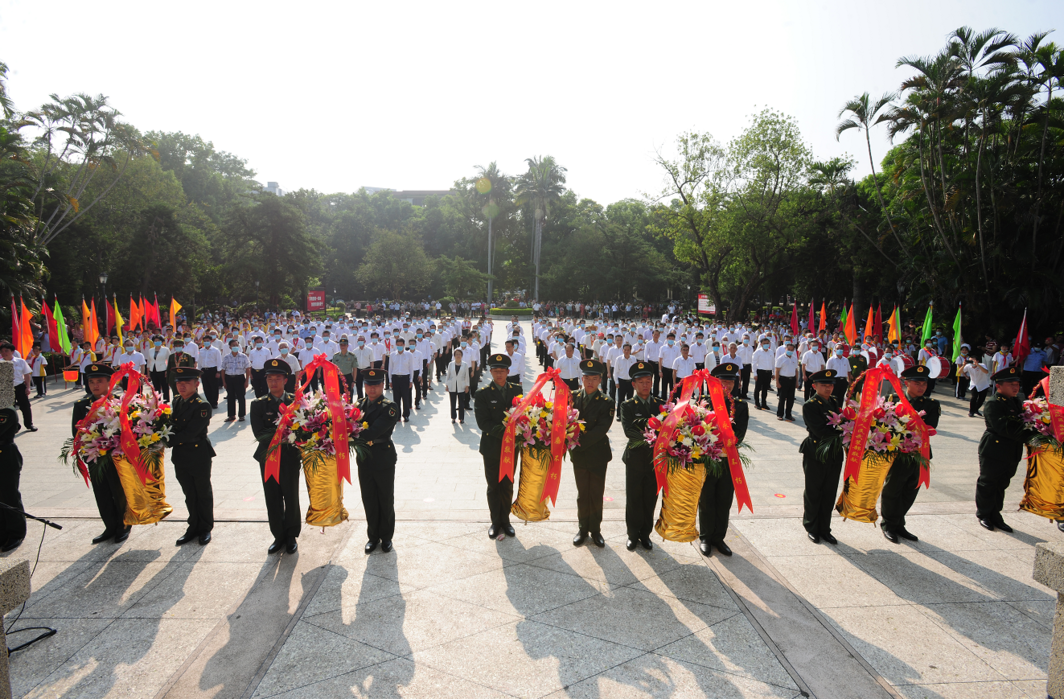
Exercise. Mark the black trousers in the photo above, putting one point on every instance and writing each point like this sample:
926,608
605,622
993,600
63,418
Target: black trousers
624,390
590,487
12,522
161,385
657,379
24,405
573,384
195,480
290,384
764,378
786,396
377,483
417,386
641,496
500,493
744,375
516,381
458,404
1031,379
714,506
976,403
359,379
667,381
962,387
821,489
282,500
38,383
899,491
234,394
401,393
994,477
841,386
210,386
426,381
110,498
258,382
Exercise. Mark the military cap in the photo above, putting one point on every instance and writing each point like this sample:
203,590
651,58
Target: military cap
592,367
186,373
374,377
916,373
499,361
277,366
727,370
1009,374
96,371
639,370
825,376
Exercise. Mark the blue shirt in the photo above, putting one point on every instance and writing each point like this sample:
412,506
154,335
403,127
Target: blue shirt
1035,360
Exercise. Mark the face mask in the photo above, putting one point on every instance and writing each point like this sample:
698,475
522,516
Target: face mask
716,348
838,353
672,342
699,341
464,345
158,343
235,350
746,342
400,349
361,342
387,335
790,353
887,355
179,350
277,334
129,348
419,335
284,351
764,346
258,345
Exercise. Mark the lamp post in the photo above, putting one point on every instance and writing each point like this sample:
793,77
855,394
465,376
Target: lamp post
103,283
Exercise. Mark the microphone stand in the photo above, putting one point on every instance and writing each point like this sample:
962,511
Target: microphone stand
48,631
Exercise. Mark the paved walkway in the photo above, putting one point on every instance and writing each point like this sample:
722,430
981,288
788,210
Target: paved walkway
452,613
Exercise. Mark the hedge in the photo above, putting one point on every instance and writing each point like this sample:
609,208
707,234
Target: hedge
511,311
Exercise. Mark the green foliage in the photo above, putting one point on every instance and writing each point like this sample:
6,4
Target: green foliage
396,266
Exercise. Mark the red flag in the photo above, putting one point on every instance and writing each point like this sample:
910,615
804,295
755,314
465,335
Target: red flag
53,327
823,317
16,327
1022,347
794,320
110,318
879,323
812,319
155,313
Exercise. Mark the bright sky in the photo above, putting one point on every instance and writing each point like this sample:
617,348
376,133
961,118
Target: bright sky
412,95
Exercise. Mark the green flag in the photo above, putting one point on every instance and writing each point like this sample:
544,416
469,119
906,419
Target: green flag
842,319
927,332
60,324
957,338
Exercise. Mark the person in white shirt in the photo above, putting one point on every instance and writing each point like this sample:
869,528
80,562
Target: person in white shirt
157,359
667,356
698,351
259,355
517,365
21,381
745,354
786,378
979,382
763,362
682,367
812,362
131,355
569,367
284,353
401,367
620,369
38,368
838,363
457,382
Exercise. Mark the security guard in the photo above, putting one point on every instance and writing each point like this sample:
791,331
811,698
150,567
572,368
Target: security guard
106,487
376,474
192,454
641,484
821,476
718,490
489,406
903,478
13,529
591,457
1000,449
282,498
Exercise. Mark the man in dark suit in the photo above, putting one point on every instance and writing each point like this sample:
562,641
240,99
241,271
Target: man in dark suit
282,495
591,457
106,486
376,473
489,406
193,454
641,485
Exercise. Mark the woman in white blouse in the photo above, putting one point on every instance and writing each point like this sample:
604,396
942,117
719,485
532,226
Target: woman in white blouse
457,382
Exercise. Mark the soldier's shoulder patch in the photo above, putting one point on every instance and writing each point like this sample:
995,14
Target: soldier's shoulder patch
392,411
3,418
205,412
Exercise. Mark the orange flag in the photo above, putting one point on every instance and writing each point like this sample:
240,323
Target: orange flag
25,332
174,308
134,314
86,319
892,328
851,327
94,326
869,328
823,318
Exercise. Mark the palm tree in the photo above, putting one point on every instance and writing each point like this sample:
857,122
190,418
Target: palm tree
864,117
542,185
492,183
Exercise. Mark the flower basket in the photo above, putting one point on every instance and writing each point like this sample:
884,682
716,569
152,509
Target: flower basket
859,496
530,504
679,505
1043,488
145,502
326,491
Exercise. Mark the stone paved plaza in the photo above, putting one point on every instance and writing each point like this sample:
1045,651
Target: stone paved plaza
451,613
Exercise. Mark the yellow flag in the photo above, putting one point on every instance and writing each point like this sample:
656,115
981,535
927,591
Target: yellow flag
118,323
174,308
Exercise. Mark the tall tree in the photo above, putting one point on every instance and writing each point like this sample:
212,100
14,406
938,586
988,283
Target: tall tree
540,187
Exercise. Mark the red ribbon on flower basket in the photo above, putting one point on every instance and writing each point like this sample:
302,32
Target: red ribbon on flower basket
334,401
859,439
668,428
83,424
559,426
1056,412
731,445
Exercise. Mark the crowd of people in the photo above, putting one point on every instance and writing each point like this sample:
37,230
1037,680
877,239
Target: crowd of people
621,366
